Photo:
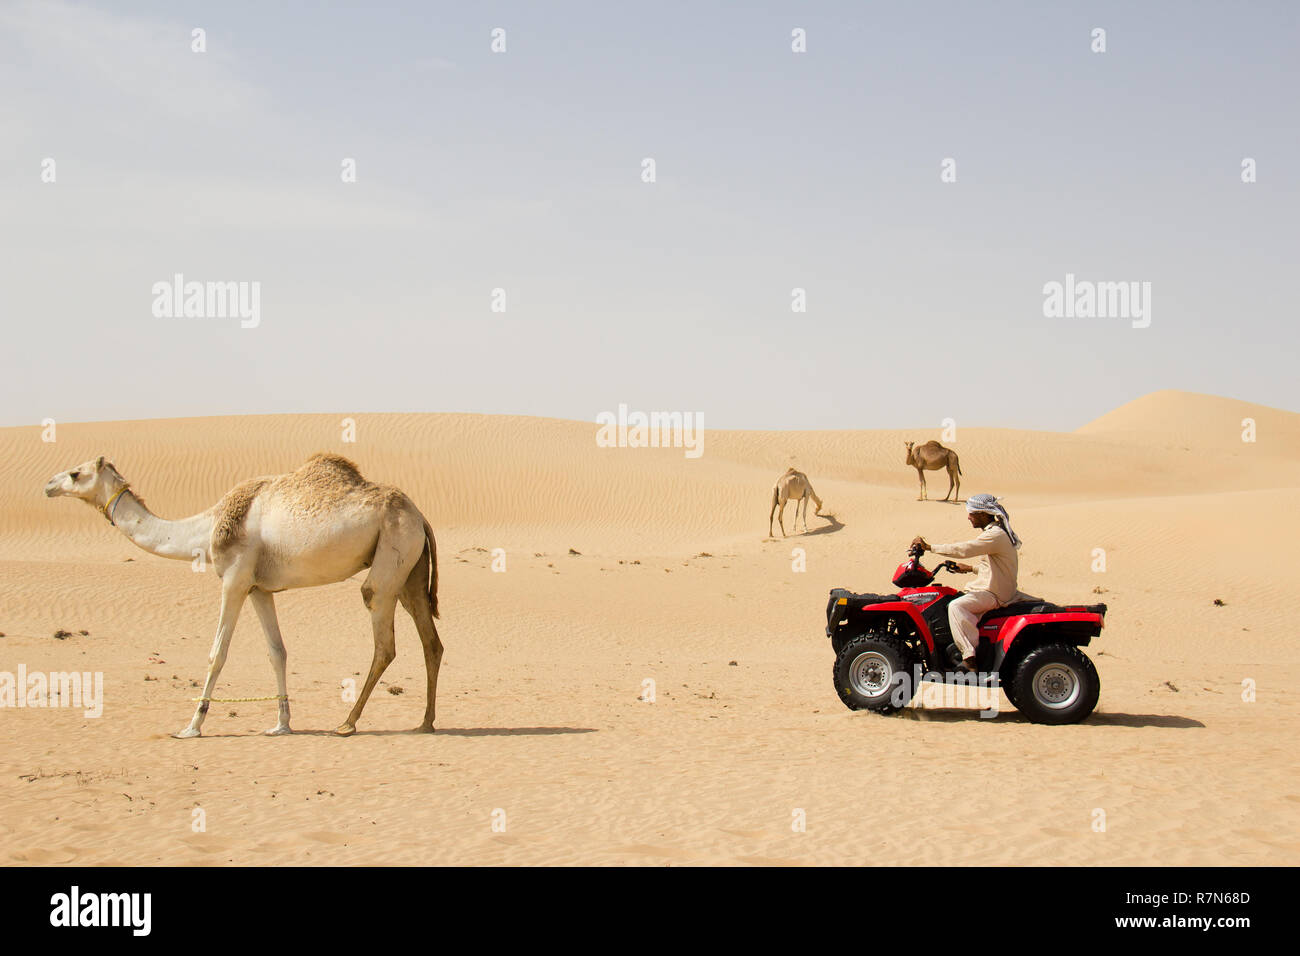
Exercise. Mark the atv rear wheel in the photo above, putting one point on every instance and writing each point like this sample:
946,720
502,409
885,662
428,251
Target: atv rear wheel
874,672
1055,684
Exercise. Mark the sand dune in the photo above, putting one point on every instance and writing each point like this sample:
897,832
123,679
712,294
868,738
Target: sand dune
539,713
1172,419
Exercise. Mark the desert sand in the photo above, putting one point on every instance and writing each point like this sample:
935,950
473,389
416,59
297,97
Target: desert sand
540,721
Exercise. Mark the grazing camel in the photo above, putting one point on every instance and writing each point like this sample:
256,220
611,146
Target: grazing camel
320,524
931,457
793,484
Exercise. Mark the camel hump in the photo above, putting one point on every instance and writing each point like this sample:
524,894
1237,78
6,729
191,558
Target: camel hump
325,475
330,462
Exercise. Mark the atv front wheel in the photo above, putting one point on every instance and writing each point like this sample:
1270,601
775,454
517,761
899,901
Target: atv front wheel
1008,688
874,672
1055,684
1007,681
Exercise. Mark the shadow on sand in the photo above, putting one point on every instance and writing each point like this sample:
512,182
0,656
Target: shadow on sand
834,525
1097,718
440,732
512,731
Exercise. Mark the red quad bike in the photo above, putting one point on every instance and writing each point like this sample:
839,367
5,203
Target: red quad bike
885,644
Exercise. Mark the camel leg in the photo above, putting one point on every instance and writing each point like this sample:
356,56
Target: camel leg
780,515
415,598
381,620
951,478
956,477
232,599
398,550
264,604
921,474
804,502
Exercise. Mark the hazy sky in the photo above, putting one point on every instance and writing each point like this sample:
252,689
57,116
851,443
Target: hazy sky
522,170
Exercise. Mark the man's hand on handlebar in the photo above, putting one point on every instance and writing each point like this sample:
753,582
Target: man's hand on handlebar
919,542
962,568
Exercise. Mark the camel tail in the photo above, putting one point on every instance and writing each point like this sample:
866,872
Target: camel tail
433,567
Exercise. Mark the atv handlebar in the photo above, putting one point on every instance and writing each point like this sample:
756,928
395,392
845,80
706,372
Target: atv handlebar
916,552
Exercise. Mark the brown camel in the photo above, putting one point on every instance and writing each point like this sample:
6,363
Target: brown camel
931,457
793,484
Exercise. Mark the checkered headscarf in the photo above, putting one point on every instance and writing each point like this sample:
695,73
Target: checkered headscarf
988,504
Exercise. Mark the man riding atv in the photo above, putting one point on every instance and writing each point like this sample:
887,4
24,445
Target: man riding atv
995,583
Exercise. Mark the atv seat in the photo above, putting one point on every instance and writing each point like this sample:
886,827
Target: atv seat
1039,607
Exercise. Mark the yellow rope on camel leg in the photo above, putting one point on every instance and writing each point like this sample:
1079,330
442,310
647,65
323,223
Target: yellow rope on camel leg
237,700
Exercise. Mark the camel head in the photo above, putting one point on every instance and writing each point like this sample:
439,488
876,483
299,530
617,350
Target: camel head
94,482
908,460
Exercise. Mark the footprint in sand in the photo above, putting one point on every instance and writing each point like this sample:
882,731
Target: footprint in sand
769,861
42,856
206,844
642,849
275,843
1062,832
328,836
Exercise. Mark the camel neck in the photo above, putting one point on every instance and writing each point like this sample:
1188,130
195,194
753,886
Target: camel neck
180,540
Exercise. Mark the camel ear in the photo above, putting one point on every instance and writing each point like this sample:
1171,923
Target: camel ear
99,465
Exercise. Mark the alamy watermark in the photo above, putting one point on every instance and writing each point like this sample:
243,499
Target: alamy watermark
626,429
75,908
932,690
53,689
178,299
1085,299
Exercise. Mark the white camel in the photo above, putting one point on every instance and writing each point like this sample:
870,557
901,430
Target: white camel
792,485
320,524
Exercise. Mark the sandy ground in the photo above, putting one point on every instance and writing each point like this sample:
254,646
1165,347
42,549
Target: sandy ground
540,722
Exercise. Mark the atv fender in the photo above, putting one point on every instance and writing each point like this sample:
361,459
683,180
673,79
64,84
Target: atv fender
1070,635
